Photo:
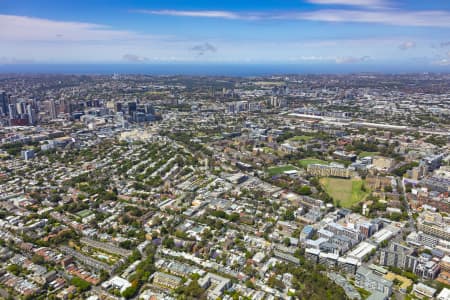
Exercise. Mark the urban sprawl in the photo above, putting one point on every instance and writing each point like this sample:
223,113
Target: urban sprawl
191,187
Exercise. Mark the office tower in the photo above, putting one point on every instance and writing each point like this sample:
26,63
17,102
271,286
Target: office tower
21,107
118,107
12,111
149,109
52,109
3,103
27,154
132,107
31,114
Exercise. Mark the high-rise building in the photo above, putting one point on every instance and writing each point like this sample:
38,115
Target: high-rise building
27,154
3,103
118,107
132,107
52,109
149,109
12,111
31,114
398,256
365,278
21,107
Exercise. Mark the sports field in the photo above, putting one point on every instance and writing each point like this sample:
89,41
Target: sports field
308,161
366,153
280,169
84,213
299,138
346,191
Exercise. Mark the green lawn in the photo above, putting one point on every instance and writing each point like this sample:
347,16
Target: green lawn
308,161
84,213
346,191
366,153
268,150
299,138
279,170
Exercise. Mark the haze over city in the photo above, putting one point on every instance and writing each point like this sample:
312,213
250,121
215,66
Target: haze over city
411,35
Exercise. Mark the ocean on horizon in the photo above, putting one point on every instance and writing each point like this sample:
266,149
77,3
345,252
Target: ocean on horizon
243,70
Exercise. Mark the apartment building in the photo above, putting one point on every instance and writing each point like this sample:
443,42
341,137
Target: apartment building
334,170
366,279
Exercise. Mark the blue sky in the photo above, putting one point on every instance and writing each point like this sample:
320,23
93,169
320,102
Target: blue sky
408,32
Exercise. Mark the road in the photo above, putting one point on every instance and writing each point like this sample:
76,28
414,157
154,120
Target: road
412,223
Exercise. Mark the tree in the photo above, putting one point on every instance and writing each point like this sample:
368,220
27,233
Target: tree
130,292
82,285
408,188
249,284
14,269
103,275
37,259
168,243
135,255
289,215
233,217
191,291
388,188
273,282
127,244
304,190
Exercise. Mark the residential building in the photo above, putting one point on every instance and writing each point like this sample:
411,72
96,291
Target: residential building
215,285
398,256
423,291
166,280
366,279
333,170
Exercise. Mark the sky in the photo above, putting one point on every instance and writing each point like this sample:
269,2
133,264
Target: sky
338,32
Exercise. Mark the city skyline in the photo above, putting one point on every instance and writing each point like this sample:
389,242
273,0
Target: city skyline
311,32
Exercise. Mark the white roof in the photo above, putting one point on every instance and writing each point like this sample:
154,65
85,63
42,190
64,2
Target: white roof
444,294
118,282
362,250
290,172
312,251
382,235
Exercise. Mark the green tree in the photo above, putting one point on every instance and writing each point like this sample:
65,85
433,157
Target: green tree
130,292
82,285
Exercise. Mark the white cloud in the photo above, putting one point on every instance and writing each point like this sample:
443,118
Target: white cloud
26,38
351,59
387,17
407,45
193,13
134,58
393,17
313,58
363,3
442,62
22,28
442,59
23,39
12,61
